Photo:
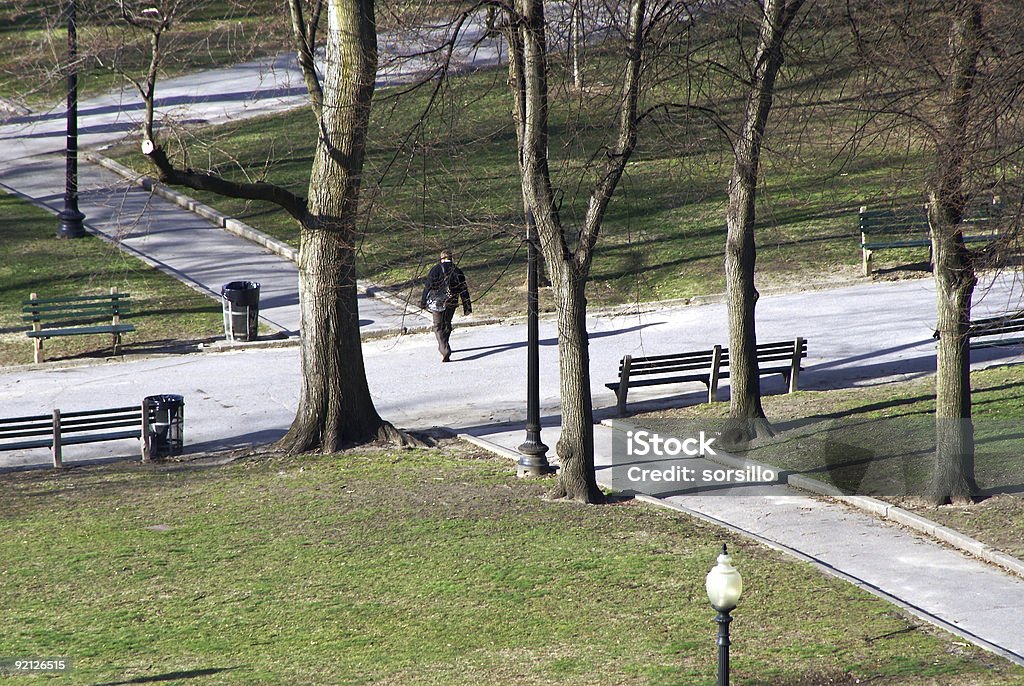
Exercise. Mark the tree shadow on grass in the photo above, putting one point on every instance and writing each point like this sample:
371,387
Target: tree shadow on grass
170,676
810,678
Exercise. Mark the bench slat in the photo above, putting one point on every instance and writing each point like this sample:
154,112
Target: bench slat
667,368
703,378
93,413
26,445
74,316
99,426
78,298
79,330
107,305
27,431
24,420
81,439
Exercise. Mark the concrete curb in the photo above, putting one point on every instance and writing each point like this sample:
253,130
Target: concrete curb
225,222
498,450
879,508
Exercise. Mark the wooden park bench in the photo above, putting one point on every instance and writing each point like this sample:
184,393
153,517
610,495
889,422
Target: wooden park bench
707,367
909,228
56,430
76,316
991,332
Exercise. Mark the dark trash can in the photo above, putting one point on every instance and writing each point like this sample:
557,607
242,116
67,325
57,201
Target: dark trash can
241,300
166,435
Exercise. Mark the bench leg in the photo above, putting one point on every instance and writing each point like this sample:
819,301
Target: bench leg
794,368
38,349
716,365
620,394
117,343
866,260
144,435
58,454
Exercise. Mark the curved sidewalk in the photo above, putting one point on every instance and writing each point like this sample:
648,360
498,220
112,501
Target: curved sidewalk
944,587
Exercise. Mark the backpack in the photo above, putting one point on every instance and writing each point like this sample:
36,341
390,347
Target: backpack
441,296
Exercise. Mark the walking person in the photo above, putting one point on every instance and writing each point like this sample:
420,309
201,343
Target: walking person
444,288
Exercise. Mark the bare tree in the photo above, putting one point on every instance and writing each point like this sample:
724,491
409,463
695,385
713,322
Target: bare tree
954,268
951,74
568,252
335,407
740,249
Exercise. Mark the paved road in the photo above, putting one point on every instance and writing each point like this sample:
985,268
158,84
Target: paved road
252,393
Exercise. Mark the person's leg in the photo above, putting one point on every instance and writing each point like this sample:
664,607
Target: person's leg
441,332
448,313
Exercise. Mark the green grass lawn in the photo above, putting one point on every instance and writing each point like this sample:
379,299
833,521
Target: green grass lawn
879,440
165,312
416,567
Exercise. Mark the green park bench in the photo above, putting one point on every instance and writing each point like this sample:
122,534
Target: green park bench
56,430
992,331
76,316
705,366
882,229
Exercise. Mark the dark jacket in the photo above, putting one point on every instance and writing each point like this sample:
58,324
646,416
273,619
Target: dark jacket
448,282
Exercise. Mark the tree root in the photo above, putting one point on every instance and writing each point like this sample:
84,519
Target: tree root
298,442
739,432
387,433
589,496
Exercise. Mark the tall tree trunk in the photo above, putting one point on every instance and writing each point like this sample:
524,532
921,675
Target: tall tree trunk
954,271
335,407
576,478
953,470
568,266
740,250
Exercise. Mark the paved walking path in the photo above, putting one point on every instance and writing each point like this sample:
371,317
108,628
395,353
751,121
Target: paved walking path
942,586
242,398
177,241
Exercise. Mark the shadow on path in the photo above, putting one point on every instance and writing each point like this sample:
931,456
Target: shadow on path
488,350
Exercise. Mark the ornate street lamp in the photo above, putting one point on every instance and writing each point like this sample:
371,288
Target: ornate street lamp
533,460
724,586
70,217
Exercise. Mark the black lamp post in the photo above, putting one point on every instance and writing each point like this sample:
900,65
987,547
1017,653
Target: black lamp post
724,586
70,217
533,460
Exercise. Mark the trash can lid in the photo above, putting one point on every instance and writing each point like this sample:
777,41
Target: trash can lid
240,286
165,400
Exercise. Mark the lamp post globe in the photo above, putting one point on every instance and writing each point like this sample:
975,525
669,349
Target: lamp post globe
724,586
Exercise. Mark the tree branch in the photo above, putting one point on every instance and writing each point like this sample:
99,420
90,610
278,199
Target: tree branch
305,45
293,204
